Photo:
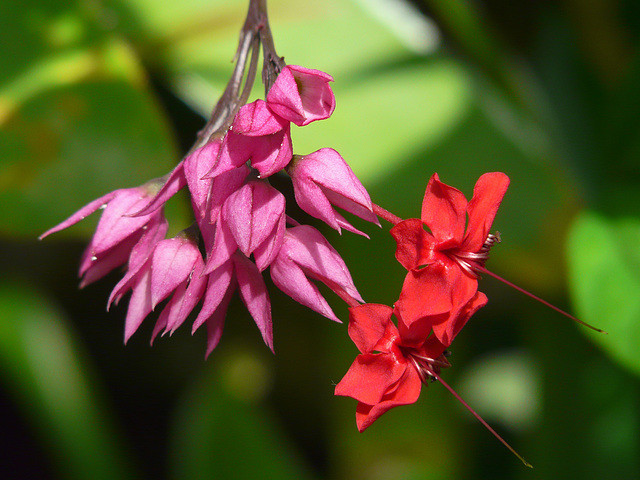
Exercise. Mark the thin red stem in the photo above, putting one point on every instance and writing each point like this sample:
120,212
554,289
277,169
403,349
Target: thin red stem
544,302
480,419
386,214
341,292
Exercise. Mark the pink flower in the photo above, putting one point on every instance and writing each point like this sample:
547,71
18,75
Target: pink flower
302,95
305,254
118,230
170,267
257,135
254,215
393,376
242,273
323,179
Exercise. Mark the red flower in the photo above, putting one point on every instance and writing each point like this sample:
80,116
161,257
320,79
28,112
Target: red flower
452,239
392,377
443,264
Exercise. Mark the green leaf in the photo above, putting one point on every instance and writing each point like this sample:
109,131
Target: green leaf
76,117
48,378
67,146
604,274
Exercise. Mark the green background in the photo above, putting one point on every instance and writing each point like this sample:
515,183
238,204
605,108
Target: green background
100,95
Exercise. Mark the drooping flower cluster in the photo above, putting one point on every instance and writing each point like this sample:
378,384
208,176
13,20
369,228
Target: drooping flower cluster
439,295
241,221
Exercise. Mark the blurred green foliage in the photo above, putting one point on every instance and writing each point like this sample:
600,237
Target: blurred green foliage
99,95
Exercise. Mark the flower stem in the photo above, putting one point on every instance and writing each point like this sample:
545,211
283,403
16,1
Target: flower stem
480,419
340,292
544,302
386,215
254,31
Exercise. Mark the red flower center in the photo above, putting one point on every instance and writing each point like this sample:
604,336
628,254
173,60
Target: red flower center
473,262
426,367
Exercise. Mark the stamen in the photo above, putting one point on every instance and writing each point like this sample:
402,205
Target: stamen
544,302
480,419
425,366
473,262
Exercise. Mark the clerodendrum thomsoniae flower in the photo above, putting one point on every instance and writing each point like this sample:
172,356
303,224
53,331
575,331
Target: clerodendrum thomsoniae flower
241,224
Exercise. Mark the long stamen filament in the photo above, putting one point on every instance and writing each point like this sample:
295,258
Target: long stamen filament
480,419
497,277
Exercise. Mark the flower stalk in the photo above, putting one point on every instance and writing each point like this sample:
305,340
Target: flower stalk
255,31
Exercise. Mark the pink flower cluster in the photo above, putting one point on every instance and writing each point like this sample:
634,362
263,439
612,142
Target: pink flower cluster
241,221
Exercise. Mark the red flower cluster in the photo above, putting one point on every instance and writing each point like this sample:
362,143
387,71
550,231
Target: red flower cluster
439,295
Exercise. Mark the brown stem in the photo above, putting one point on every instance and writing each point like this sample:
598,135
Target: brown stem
272,63
231,99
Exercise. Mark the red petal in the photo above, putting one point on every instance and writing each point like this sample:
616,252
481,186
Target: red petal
487,196
444,210
370,377
367,325
407,392
466,301
415,245
432,348
426,295
448,330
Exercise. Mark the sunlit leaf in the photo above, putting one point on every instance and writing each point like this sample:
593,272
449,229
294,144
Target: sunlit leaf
604,268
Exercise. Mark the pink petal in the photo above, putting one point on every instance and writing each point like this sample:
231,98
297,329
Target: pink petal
322,179
93,268
173,260
161,323
444,210
312,200
84,212
224,185
290,278
215,323
171,186
267,251
141,252
219,283
272,153
256,119
252,213
254,295
302,95
224,245
196,167
234,152
139,303
308,248
116,224
184,300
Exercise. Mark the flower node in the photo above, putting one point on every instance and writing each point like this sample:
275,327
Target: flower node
473,262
